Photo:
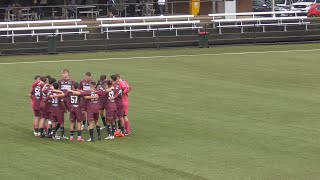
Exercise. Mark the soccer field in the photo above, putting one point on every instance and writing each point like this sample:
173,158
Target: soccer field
238,112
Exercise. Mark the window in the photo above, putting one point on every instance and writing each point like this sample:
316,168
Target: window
318,8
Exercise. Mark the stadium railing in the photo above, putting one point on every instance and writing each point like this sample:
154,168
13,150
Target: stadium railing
41,28
148,23
257,19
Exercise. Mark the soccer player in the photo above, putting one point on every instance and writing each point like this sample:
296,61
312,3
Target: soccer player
36,97
57,110
118,99
92,107
125,100
45,106
66,82
75,112
102,100
85,86
35,83
111,109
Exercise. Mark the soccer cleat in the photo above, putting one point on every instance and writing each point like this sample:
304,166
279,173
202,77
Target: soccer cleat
80,139
108,138
120,135
99,137
103,127
35,133
64,137
90,140
127,134
71,138
56,137
82,127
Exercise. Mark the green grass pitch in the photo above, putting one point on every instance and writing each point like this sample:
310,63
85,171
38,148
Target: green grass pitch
221,115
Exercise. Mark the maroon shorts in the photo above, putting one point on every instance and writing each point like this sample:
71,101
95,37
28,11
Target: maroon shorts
120,112
59,118
36,112
111,115
93,116
76,115
102,104
44,114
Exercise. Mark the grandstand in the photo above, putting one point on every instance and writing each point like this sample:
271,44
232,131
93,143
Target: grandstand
215,93
86,27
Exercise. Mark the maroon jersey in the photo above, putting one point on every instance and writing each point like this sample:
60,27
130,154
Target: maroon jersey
45,104
103,98
111,104
118,95
99,84
56,107
73,101
92,105
36,92
66,84
85,85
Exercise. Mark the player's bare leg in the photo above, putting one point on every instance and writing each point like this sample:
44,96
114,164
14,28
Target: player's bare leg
62,131
85,120
71,130
41,126
91,126
79,124
98,128
109,130
36,125
55,127
103,119
121,127
49,128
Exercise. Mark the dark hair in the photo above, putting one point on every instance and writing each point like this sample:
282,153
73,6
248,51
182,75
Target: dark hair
88,74
114,77
55,85
76,85
103,77
52,80
43,79
48,76
93,83
36,77
108,82
117,75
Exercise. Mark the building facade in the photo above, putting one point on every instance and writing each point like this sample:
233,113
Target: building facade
207,6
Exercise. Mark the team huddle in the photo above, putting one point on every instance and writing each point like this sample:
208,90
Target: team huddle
86,102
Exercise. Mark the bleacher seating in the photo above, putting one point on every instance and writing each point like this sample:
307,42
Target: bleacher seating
148,23
41,28
236,20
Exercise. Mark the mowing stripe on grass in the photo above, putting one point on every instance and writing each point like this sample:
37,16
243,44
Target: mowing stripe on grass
158,57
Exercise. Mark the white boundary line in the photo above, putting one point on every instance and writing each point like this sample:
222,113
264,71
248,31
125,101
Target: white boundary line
157,57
